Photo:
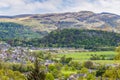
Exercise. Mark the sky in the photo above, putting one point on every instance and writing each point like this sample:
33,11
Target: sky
16,7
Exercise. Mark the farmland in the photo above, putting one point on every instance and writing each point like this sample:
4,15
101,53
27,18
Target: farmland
85,56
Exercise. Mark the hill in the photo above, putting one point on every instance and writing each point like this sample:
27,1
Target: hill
80,20
87,39
28,29
19,35
10,31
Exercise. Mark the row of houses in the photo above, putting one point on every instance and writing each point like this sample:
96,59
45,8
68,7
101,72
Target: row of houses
14,54
18,54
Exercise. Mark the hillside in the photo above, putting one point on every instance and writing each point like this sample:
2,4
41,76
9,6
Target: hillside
19,35
16,31
88,39
83,29
81,20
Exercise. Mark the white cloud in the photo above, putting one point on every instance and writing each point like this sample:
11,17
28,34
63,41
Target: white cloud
13,7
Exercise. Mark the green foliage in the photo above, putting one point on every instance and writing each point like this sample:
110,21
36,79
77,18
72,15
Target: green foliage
84,70
88,39
16,31
95,57
6,74
21,67
66,68
36,73
112,73
42,55
91,77
98,57
17,35
39,54
51,68
58,66
56,73
100,72
16,66
76,65
66,76
54,70
88,64
83,56
49,76
117,57
82,78
65,60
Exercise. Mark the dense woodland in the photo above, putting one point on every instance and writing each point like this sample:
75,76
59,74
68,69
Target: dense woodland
88,39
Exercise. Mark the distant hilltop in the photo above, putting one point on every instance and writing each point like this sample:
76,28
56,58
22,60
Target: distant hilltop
81,20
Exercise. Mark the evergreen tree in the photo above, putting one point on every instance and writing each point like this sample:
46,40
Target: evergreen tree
37,73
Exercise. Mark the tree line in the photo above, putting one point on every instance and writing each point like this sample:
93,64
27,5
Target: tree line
76,38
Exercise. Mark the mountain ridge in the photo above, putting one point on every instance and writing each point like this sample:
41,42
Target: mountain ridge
81,20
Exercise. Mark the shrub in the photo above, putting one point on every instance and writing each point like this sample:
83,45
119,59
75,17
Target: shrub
88,64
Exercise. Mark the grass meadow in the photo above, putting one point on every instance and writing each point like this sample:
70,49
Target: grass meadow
85,56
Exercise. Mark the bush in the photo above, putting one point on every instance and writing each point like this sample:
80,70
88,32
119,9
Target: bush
76,65
88,64
49,76
8,74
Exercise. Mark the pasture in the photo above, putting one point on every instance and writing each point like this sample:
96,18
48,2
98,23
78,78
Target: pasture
85,56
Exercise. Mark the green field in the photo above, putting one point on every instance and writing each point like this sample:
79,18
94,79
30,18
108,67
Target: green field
85,56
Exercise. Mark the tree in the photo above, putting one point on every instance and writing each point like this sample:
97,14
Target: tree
117,57
62,59
91,77
75,64
51,67
112,73
37,73
49,76
84,70
65,60
88,64
100,71
7,74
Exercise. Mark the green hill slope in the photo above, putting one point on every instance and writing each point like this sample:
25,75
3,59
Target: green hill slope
19,35
16,31
88,39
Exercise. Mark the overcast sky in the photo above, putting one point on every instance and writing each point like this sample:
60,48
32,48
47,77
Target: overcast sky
15,7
